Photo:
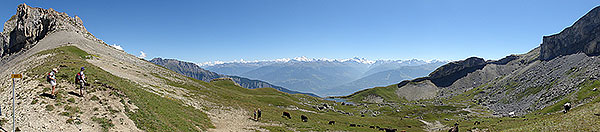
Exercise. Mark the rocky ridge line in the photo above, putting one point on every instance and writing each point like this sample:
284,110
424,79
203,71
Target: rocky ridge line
31,24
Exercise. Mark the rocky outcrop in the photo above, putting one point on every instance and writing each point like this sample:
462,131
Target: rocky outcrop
29,25
446,75
581,37
194,71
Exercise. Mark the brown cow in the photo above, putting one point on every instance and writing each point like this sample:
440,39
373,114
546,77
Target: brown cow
286,114
331,122
304,118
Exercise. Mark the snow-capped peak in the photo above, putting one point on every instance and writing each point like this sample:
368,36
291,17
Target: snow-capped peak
306,59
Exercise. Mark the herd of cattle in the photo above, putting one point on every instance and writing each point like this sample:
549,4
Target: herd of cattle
305,119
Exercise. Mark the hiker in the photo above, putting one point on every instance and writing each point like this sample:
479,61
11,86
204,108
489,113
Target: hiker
258,114
51,78
254,117
80,79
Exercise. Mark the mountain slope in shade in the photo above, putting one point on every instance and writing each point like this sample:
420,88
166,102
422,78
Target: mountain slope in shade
192,70
385,78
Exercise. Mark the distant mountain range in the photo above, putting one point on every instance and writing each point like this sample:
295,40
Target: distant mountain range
327,76
194,71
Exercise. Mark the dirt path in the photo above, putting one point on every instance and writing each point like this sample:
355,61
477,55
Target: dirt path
234,120
434,127
118,63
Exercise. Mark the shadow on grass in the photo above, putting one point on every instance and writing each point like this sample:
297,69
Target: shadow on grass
74,94
47,95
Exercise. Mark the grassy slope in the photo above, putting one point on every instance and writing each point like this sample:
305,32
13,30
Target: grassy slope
273,103
155,113
550,118
387,93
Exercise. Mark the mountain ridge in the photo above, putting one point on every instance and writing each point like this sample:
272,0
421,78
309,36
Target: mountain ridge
560,70
517,93
324,76
305,59
194,71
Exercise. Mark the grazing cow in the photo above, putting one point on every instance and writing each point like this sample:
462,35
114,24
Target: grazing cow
304,118
567,107
390,130
352,125
454,129
331,122
373,127
476,123
286,114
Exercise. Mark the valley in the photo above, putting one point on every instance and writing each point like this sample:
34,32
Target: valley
520,92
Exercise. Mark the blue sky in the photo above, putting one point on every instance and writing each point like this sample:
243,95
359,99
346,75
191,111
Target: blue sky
226,30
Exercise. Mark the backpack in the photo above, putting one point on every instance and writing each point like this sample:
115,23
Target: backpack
78,77
48,79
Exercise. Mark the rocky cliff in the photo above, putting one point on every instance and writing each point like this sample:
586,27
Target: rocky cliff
29,25
581,37
192,70
446,75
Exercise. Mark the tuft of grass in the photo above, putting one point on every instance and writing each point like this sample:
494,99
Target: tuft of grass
49,108
94,98
3,121
34,101
72,100
106,124
70,121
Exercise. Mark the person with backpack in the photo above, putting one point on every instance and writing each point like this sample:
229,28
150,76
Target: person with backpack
258,114
80,79
51,78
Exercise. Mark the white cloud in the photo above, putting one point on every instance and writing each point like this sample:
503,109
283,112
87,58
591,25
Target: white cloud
142,54
117,47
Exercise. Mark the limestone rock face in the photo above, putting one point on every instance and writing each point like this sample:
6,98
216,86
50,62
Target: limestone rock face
30,25
581,37
446,75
